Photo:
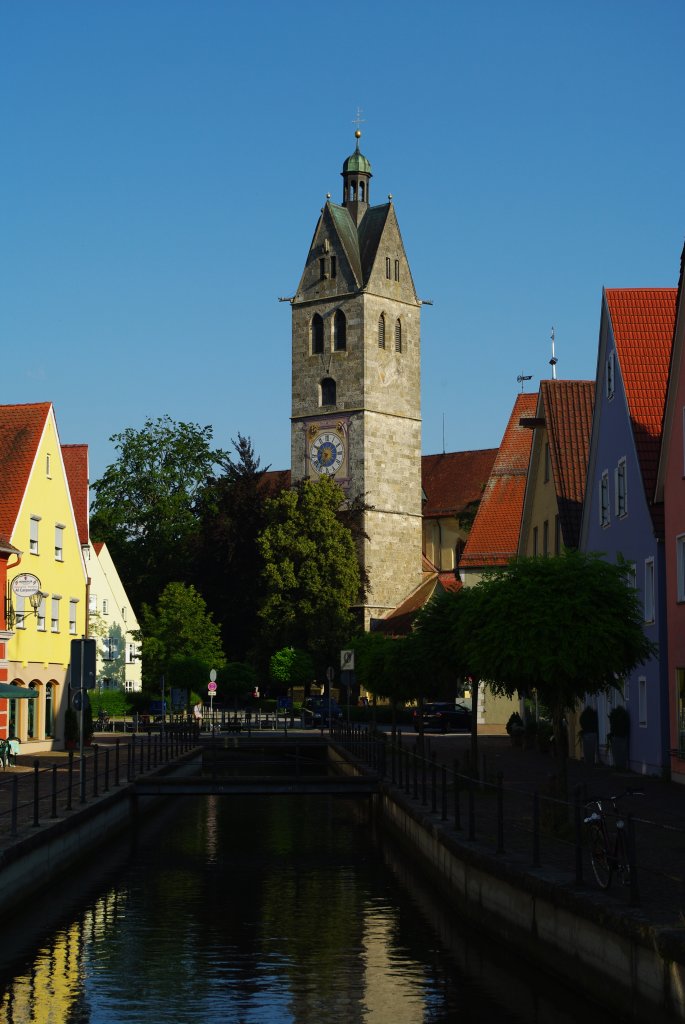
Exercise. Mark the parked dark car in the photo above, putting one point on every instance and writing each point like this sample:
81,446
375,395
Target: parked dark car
315,711
442,716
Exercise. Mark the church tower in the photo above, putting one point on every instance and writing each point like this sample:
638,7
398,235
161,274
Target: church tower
356,408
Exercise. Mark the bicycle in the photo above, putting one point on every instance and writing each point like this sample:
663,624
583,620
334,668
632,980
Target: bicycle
606,855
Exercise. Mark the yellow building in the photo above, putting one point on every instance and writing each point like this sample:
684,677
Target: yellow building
37,516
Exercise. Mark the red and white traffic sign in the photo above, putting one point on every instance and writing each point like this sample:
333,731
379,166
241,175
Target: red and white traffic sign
211,687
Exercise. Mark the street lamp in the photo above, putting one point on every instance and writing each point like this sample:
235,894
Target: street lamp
35,600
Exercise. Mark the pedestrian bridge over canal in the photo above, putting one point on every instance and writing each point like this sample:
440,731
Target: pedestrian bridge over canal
295,765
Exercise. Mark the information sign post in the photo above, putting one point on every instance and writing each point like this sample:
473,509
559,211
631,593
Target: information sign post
211,690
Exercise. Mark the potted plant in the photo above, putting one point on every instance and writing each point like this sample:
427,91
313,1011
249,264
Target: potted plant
619,730
516,729
71,733
589,733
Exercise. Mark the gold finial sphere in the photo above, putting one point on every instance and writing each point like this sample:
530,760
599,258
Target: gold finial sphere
357,134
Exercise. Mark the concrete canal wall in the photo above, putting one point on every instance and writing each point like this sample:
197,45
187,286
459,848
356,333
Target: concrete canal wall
33,861
620,960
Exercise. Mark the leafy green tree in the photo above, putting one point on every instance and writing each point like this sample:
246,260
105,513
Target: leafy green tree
565,626
178,628
440,644
145,503
237,679
311,571
387,667
231,513
291,667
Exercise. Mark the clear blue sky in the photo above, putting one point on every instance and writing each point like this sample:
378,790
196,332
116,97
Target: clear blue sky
164,163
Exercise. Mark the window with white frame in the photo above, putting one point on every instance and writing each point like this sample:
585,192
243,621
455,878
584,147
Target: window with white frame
642,702
648,599
92,603
33,535
610,374
72,614
59,542
621,488
54,613
20,616
604,517
110,648
40,615
105,606
680,566
131,653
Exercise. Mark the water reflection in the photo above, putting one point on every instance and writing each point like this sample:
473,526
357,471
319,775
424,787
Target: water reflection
275,910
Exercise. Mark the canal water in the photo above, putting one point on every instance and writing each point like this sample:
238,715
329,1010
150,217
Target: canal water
271,910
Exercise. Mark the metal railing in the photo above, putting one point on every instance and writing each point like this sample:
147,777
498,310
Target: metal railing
535,830
30,799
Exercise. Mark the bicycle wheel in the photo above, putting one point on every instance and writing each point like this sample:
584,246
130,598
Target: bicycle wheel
601,864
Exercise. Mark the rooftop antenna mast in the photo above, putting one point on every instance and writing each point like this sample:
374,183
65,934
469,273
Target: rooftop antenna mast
443,433
553,361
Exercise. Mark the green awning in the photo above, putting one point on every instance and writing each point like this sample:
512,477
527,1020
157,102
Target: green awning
7,691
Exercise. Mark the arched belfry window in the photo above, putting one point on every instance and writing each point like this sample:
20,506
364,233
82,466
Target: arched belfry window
398,336
339,331
317,334
381,331
328,391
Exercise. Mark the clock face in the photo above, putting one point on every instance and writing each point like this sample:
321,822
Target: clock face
326,453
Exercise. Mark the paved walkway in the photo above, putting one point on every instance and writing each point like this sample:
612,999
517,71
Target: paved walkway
658,816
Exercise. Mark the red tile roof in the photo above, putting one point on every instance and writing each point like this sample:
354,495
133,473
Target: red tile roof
454,480
399,621
273,481
494,536
21,428
567,406
642,321
76,467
